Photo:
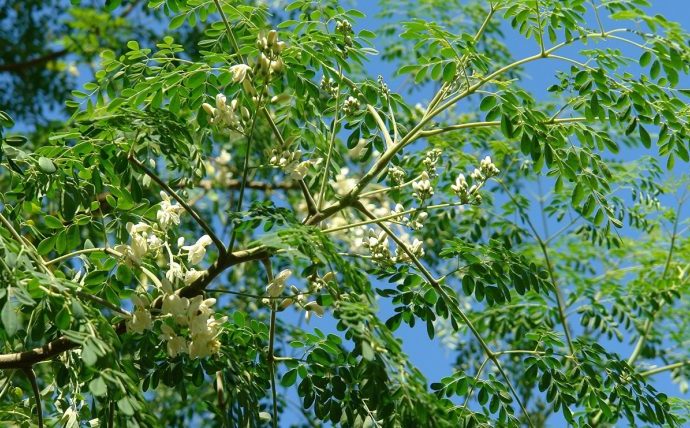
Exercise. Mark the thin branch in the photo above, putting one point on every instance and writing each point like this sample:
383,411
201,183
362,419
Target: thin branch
435,284
665,368
549,266
271,344
209,231
436,131
647,328
596,13
29,372
80,252
327,166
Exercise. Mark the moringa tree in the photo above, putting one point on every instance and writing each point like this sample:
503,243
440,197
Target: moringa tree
161,247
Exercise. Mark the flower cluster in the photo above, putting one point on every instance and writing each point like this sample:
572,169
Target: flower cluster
396,174
430,160
469,194
329,86
422,188
219,171
230,116
291,163
350,106
385,91
143,241
415,248
378,247
344,28
415,222
193,318
275,289
270,61
342,183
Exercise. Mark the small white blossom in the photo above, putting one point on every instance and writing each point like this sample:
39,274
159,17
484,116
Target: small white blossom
275,288
197,251
140,321
342,184
169,213
176,306
313,307
422,187
239,72
175,344
192,275
174,272
224,157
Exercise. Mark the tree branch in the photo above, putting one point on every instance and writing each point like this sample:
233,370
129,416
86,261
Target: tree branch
209,231
19,67
29,372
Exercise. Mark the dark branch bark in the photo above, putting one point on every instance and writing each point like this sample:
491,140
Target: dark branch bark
20,360
19,67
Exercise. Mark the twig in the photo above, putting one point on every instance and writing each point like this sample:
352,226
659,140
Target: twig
271,344
29,372
209,231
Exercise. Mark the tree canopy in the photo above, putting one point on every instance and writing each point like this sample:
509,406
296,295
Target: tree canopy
228,213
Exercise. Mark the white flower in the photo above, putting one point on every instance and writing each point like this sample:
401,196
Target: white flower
224,157
177,307
300,170
313,307
203,346
357,151
221,101
175,344
422,187
140,321
197,251
275,288
174,272
209,109
342,184
239,72
460,185
199,306
192,275
169,213
138,234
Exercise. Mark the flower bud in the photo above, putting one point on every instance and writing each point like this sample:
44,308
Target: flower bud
272,37
209,109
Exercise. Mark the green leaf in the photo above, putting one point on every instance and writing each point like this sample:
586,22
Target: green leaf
487,103
98,387
9,318
644,136
177,22
289,378
53,222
